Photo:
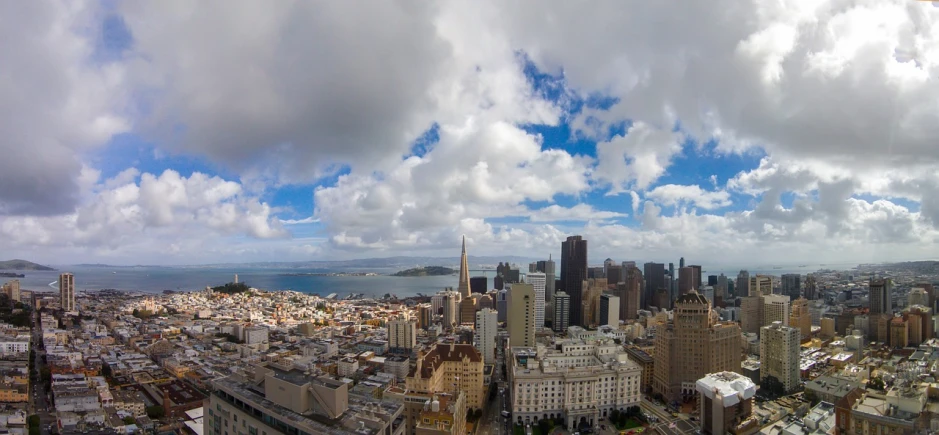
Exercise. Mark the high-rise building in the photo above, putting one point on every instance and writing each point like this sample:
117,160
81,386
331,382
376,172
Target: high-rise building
615,274
562,310
547,268
425,316
726,402
464,286
521,315
67,291
595,273
593,287
402,334
681,262
485,301
606,266
696,276
918,296
663,299
691,346
930,291
672,282
751,314
468,311
654,274
12,290
920,323
451,308
479,284
792,285
512,276
743,284
712,280
450,368
538,280
484,338
811,287
801,318
720,290
502,304
630,292
685,280
775,309
609,310
761,285
779,354
573,275
880,296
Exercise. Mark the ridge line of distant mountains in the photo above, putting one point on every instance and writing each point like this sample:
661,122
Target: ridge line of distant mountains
387,262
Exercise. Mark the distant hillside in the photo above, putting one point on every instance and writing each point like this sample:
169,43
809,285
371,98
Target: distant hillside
22,265
400,262
427,271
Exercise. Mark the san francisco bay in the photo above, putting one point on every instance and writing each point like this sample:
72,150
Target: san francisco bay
154,279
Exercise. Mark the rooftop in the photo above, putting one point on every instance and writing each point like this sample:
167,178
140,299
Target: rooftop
443,353
728,387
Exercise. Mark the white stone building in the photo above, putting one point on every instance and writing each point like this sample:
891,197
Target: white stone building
576,380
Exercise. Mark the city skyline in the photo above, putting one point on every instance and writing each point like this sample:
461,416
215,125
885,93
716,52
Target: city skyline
449,119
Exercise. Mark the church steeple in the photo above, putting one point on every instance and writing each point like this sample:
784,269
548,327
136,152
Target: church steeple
464,286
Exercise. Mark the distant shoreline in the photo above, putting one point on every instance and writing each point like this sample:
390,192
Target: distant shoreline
333,274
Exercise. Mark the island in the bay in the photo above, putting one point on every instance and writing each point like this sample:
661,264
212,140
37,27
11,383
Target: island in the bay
22,265
426,271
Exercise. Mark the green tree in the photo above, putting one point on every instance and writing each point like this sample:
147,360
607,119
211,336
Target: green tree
773,386
155,412
614,416
545,425
231,288
129,420
877,383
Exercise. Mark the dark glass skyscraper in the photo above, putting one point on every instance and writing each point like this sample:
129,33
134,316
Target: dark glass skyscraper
479,284
573,274
654,274
792,285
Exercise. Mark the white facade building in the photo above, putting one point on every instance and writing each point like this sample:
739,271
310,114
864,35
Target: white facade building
402,334
538,280
347,366
582,382
779,354
13,345
256,334
775,309
487,326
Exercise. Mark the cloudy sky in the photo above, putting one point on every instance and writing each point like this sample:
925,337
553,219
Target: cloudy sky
733,132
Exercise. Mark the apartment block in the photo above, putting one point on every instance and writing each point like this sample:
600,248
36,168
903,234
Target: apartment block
779,354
